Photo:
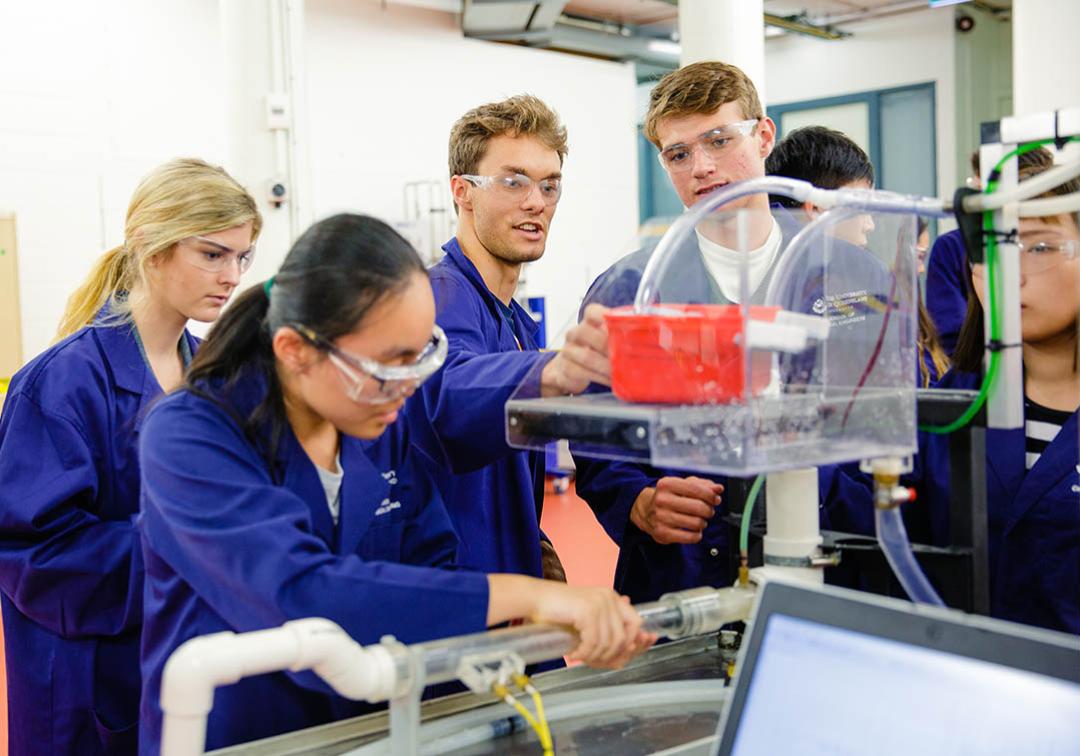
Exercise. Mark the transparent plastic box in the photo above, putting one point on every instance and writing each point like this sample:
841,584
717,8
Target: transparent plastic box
750,340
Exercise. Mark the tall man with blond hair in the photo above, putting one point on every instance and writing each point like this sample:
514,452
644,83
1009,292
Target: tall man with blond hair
708,124
506,179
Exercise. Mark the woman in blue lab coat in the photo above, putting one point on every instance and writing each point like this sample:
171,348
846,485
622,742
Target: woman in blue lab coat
280,484
70,565
1033,489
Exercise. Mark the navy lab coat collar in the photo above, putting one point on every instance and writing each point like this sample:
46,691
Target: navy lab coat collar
523,322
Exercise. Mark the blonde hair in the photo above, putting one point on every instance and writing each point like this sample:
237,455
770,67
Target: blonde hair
184,197
700,88
522,115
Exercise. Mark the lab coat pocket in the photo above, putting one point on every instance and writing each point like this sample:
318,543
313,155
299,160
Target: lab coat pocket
116,692
118,741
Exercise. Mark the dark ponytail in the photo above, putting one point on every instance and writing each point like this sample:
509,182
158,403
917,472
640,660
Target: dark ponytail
335,273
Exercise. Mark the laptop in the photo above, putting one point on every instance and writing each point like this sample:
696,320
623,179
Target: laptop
831,671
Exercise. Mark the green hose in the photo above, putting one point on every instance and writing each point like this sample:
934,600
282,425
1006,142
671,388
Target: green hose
991,274
748,508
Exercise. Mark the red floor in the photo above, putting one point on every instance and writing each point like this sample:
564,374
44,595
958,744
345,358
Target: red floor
587,553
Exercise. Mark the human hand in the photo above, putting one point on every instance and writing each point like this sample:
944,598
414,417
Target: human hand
677,510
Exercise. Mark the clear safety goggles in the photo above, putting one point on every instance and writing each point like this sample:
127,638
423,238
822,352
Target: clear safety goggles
518,186
1043,254
679,158
368,381
214,257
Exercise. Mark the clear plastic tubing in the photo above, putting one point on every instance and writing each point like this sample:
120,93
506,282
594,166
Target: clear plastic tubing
894,542
675,615
867,200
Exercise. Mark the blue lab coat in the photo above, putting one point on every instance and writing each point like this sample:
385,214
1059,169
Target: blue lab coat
645,569
1033,520
232,542
494,494
947,284
70,567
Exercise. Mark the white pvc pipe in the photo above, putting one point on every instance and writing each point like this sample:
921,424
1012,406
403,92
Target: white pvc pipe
202,664
1032,187
1039,208
792,523
372,674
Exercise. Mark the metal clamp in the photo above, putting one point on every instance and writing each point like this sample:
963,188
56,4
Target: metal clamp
482,672
820,559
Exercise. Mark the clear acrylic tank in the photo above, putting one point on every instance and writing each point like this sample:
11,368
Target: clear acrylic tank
753,339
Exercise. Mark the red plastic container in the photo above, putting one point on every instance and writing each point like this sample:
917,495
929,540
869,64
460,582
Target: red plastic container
687,354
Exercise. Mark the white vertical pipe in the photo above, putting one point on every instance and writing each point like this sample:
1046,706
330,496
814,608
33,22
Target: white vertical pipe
1005,403
732,31
792,526
302,214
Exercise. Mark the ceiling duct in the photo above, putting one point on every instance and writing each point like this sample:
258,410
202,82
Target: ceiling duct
485,17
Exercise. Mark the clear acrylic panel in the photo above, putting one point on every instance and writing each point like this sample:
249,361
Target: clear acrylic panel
760,340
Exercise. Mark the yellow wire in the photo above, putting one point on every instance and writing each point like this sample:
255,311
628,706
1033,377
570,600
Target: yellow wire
508,697
546,740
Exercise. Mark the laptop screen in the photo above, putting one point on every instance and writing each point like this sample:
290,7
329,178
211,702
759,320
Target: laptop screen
821,689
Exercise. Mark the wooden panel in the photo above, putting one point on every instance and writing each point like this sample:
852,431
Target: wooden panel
10,321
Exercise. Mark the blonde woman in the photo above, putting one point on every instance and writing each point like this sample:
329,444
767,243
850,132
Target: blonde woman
70,567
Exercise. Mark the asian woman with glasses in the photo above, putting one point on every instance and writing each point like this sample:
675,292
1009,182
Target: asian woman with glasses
279,483
70,563
1032,481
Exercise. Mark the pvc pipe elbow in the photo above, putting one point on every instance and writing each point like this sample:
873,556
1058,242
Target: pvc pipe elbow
355,672
194,670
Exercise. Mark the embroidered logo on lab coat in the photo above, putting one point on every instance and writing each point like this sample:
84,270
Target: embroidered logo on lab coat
387,506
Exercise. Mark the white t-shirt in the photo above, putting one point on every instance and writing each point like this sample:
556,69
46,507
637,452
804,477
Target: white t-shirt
723,263
331,483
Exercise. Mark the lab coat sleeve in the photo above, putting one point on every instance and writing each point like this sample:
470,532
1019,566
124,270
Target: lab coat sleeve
946,288
247,549
847,499
610,489
61,564
465,402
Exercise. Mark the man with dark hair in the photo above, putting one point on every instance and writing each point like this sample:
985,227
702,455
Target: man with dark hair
506,178
822,156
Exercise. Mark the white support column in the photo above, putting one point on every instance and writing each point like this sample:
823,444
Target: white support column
792,533
1046,57
732,31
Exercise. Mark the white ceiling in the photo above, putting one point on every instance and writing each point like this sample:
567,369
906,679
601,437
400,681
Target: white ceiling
665,12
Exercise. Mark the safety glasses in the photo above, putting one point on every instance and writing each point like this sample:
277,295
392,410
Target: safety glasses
1040,255
679,158
368,381
518,186
213,257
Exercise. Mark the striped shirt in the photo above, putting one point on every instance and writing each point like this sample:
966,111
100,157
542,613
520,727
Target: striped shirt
1040,427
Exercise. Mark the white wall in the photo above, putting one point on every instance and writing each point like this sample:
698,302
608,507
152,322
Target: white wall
93,95
96,94
384,87
907,49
